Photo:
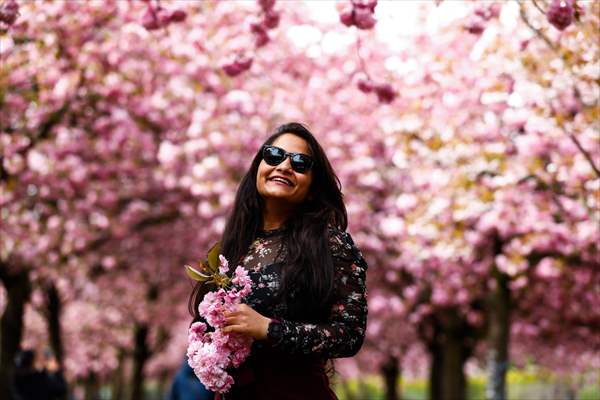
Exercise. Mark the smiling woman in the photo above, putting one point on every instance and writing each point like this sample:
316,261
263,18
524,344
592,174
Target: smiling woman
308,300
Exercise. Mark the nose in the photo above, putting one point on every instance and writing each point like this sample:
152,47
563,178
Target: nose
285,165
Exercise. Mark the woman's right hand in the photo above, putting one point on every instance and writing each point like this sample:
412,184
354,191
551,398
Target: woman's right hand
246,321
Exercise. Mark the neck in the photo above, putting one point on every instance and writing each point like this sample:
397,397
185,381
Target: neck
274,216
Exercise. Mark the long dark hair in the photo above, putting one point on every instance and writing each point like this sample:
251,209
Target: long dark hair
308,266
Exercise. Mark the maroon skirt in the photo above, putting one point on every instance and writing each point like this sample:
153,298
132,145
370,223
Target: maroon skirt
270,375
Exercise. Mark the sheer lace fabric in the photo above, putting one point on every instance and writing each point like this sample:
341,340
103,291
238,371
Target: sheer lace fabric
341,335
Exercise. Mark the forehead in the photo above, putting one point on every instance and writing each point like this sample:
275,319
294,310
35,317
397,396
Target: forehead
292,143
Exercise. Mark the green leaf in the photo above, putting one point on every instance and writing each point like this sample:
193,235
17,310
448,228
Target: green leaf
213,257
195,274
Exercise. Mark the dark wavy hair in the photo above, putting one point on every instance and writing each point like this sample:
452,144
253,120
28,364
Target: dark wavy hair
308,267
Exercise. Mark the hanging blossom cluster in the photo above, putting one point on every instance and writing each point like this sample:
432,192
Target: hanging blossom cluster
157,17
237,64
359,13
211,353
384,91
269,19
477,22
561,13
9,12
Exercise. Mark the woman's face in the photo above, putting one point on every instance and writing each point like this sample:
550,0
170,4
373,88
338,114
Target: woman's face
280,185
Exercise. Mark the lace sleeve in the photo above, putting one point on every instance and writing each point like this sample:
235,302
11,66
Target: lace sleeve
343,333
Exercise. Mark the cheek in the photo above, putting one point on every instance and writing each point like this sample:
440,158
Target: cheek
260,174
305,183
261,169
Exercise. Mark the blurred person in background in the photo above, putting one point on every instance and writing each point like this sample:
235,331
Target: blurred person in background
186,386
37,382
308,302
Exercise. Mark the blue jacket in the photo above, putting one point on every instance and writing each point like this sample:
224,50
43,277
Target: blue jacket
186,386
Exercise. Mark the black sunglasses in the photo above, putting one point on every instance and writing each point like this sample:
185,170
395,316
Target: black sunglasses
301,163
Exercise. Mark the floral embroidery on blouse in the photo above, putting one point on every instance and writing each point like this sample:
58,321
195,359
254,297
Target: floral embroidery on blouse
342,334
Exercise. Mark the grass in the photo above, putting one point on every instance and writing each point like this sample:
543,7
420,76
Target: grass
521,385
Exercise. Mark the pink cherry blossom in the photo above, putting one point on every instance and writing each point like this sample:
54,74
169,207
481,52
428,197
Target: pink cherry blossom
9,12
211,353
561,13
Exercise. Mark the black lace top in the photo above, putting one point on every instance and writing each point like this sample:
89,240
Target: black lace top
342,333
291,363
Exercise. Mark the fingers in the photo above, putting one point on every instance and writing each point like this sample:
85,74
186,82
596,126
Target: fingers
239,309
237,318
233,320
242,320
237,324
233,328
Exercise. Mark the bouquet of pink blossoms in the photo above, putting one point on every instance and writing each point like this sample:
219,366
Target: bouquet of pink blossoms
211,353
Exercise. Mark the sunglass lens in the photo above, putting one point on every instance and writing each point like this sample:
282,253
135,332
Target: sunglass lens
300,163
273,155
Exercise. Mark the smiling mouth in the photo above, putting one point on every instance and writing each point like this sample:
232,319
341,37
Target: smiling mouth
283,180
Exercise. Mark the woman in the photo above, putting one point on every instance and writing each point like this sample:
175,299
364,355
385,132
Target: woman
308,300
30,383
186,385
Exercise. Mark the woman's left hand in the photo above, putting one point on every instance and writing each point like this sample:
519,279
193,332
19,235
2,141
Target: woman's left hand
247,321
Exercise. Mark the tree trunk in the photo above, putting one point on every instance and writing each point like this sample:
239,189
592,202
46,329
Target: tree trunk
449,352
498,338
163,385
141,354
53,309
18,290
117,379
91,387
52,314
435,372
453,374
391,373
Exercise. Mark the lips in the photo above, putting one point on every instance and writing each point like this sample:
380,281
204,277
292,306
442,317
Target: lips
281,179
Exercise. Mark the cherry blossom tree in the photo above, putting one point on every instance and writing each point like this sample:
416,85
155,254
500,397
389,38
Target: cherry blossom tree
467,150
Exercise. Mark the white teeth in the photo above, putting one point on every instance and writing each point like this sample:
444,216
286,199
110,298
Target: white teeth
282,180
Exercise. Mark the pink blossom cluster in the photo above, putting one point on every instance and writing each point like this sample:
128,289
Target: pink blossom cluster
237,64
269,20
359,13
211,353
159,17
477,22
561,13
384,91
9,12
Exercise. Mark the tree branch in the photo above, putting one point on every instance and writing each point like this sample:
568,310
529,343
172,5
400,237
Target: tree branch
585,153
538,32
538,7
144,223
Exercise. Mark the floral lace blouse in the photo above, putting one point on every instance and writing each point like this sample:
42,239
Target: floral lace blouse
342,333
